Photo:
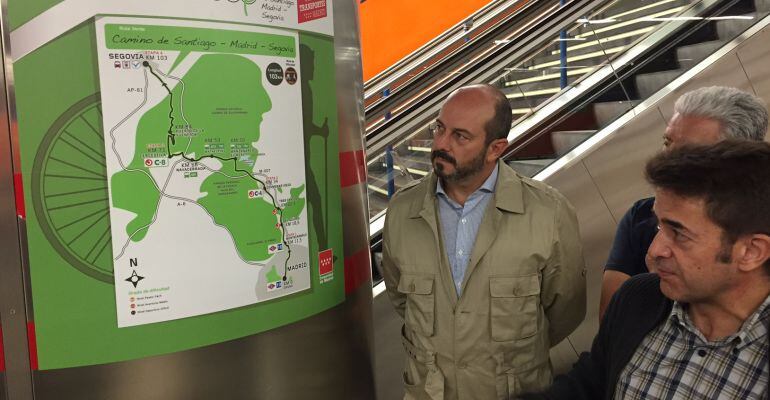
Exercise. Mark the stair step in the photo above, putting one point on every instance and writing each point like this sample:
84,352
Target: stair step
607,112
649,84
529,102
762,6
530,168
564,141
690,55
730,28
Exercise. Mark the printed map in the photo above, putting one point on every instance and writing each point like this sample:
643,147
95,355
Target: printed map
206,177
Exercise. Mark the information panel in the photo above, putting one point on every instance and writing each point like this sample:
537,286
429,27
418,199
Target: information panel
180,163
204,154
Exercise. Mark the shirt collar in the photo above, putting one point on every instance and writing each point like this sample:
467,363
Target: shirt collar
488,186
751,329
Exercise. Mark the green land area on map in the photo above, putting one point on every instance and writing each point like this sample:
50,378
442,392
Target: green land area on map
205,118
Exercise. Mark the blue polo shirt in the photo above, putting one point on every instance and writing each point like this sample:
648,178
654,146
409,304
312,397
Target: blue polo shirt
633,238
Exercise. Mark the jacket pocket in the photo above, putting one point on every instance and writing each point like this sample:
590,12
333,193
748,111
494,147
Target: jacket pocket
422,378
514,307
420,303
511,382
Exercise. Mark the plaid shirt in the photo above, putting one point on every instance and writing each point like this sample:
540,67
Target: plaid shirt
675,361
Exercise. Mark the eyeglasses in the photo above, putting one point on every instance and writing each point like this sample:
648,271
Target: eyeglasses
437,130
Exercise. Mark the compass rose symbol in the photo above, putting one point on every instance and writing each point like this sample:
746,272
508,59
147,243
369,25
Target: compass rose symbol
134,278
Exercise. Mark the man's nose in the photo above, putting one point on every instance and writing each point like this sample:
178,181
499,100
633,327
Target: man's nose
659,247
440,142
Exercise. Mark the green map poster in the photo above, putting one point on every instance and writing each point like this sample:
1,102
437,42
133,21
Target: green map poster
59,107
205,154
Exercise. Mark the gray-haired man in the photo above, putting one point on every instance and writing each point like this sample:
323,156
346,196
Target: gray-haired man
703,116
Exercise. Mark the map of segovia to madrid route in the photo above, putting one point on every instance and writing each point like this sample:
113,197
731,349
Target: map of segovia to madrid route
205,164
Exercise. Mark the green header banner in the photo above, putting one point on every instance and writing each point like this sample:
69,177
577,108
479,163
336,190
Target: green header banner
155,37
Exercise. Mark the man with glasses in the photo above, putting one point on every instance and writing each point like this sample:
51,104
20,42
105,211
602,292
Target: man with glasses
485,266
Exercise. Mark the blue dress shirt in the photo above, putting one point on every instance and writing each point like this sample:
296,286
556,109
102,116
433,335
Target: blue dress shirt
460,224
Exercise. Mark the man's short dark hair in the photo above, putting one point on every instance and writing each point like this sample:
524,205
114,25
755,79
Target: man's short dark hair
499,125
732,177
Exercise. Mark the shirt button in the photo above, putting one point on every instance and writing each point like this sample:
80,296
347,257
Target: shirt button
463,220
460,252
702,353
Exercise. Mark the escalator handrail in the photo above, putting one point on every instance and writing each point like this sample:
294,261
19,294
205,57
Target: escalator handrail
468,57
479,69
573,92
530,128
601,136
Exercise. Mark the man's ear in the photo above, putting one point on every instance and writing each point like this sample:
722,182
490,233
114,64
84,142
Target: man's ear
754,251
496,149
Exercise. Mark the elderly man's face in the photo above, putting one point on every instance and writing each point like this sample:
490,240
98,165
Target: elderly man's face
688,253
691,130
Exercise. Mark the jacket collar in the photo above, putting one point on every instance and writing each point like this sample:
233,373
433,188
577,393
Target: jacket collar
508,193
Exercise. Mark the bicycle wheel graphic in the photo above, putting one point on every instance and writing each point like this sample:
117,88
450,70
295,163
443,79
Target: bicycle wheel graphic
69,189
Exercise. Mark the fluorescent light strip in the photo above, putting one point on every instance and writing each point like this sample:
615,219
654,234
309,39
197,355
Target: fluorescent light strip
549,77
533,93
637,32
723,18
636,10
417,148
570,40
581,57
521,111
378,289
412,170
728,17
596,21
378,190
631,22
666,19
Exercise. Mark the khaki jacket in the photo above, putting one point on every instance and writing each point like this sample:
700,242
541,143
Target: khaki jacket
524,291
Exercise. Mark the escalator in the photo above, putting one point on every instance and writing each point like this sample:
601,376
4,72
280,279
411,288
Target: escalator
591,100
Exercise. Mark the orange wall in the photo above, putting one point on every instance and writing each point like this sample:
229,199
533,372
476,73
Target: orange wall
391,29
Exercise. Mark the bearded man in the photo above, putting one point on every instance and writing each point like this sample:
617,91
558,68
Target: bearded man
484,266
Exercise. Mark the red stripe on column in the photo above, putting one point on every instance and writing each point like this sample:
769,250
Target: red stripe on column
358,270
352,168
2,355
32,341
18,190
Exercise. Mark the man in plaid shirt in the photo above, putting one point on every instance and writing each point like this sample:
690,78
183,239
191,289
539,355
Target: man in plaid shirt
699,328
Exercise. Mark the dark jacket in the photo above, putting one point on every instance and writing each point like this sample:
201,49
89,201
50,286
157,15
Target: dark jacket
635,310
